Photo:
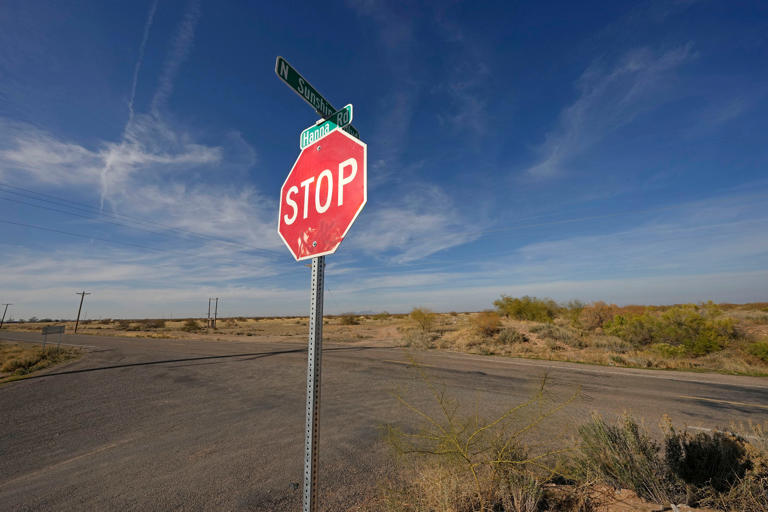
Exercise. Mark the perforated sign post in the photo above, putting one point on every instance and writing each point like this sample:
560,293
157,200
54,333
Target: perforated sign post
320,199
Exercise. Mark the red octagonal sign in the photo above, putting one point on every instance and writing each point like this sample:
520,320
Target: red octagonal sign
323,194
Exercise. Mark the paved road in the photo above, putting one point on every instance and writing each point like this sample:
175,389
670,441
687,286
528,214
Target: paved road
151,424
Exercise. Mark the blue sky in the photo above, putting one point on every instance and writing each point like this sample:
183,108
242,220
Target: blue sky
605,150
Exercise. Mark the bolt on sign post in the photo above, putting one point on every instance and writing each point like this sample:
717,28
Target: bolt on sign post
325,191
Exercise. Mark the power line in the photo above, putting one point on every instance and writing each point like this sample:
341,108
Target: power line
73,205
59,231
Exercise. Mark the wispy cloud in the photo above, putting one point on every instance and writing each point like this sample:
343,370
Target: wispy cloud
140,58
30,153
466,108
608,99
423,222
148,139
180,47
395,109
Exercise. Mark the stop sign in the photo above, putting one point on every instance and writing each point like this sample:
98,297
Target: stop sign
323,194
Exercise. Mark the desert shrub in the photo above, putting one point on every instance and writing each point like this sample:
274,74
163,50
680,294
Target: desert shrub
572,311
349,319
190,325
758,319
423,318
510,335
558,334
456,462
610,343
706,461
759,349
154,324
486,323
695,328
123,325
596,315
623,455
527,308
381,316
667,350
715,469
105,321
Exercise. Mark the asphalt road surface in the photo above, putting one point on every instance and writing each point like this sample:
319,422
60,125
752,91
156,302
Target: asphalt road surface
155,424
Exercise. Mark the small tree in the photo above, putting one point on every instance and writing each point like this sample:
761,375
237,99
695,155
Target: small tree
424,319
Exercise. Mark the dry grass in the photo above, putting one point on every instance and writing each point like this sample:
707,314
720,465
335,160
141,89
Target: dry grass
449,460
454,461
21,359
735,336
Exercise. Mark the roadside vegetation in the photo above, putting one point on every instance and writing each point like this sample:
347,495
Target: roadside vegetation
725,338
706,337
449,459
19,359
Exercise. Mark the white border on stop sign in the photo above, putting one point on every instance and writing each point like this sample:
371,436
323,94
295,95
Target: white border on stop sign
365,194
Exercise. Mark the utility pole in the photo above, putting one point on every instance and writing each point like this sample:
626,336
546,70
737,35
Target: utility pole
82,297
215,312
208,322
4,312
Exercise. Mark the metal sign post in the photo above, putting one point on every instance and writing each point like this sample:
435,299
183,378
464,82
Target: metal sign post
335,159
314,359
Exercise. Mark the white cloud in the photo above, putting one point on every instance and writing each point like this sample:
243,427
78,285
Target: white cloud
424,222
30,153
608,100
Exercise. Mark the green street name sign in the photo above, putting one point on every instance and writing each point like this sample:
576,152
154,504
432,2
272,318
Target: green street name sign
303,88
314,133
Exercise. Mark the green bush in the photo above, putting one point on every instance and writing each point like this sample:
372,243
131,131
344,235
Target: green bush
527,308
572,311
667,350
695,328
759,349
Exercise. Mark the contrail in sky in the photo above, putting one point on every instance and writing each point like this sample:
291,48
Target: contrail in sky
180,47
140,60
178,53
